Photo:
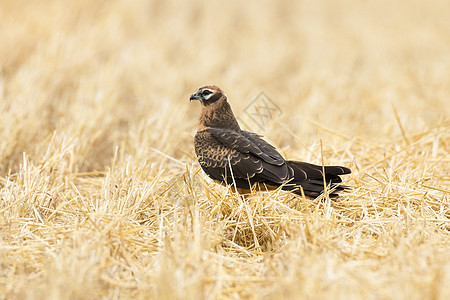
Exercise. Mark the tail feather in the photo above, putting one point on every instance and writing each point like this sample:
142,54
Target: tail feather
310,179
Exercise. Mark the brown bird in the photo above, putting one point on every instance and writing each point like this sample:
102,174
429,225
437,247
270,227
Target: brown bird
239,158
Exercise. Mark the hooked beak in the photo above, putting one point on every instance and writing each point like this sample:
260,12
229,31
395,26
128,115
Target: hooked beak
195,96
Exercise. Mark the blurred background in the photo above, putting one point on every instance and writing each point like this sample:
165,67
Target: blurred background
119,73
100,190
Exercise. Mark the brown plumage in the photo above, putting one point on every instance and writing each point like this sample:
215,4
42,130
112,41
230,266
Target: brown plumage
242,159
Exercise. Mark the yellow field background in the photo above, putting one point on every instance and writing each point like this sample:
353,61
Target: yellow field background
101,195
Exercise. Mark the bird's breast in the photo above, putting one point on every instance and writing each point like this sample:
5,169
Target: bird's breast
209,151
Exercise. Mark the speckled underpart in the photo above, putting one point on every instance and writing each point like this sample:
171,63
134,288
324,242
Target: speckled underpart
240,158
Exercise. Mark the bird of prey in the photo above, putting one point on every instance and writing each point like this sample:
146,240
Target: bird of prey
242,159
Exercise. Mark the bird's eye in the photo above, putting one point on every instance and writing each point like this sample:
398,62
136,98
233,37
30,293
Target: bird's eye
206,92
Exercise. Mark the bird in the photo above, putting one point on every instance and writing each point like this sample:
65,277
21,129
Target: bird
243,160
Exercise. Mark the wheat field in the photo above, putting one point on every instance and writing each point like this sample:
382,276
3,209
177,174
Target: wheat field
101,196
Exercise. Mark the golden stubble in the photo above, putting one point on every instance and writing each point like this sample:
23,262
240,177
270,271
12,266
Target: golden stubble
100,192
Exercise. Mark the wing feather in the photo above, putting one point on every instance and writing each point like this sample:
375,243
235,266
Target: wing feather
247,144
263,145
217,149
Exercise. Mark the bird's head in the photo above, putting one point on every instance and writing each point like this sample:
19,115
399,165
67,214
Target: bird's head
216,111
208,94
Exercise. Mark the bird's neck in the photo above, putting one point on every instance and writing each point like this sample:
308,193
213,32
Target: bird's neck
218,115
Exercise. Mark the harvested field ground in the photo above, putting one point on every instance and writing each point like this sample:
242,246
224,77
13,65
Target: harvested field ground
101,195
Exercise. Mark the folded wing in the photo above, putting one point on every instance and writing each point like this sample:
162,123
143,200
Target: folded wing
249,163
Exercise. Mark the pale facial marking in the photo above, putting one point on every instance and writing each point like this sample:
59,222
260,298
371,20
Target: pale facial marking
206,94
